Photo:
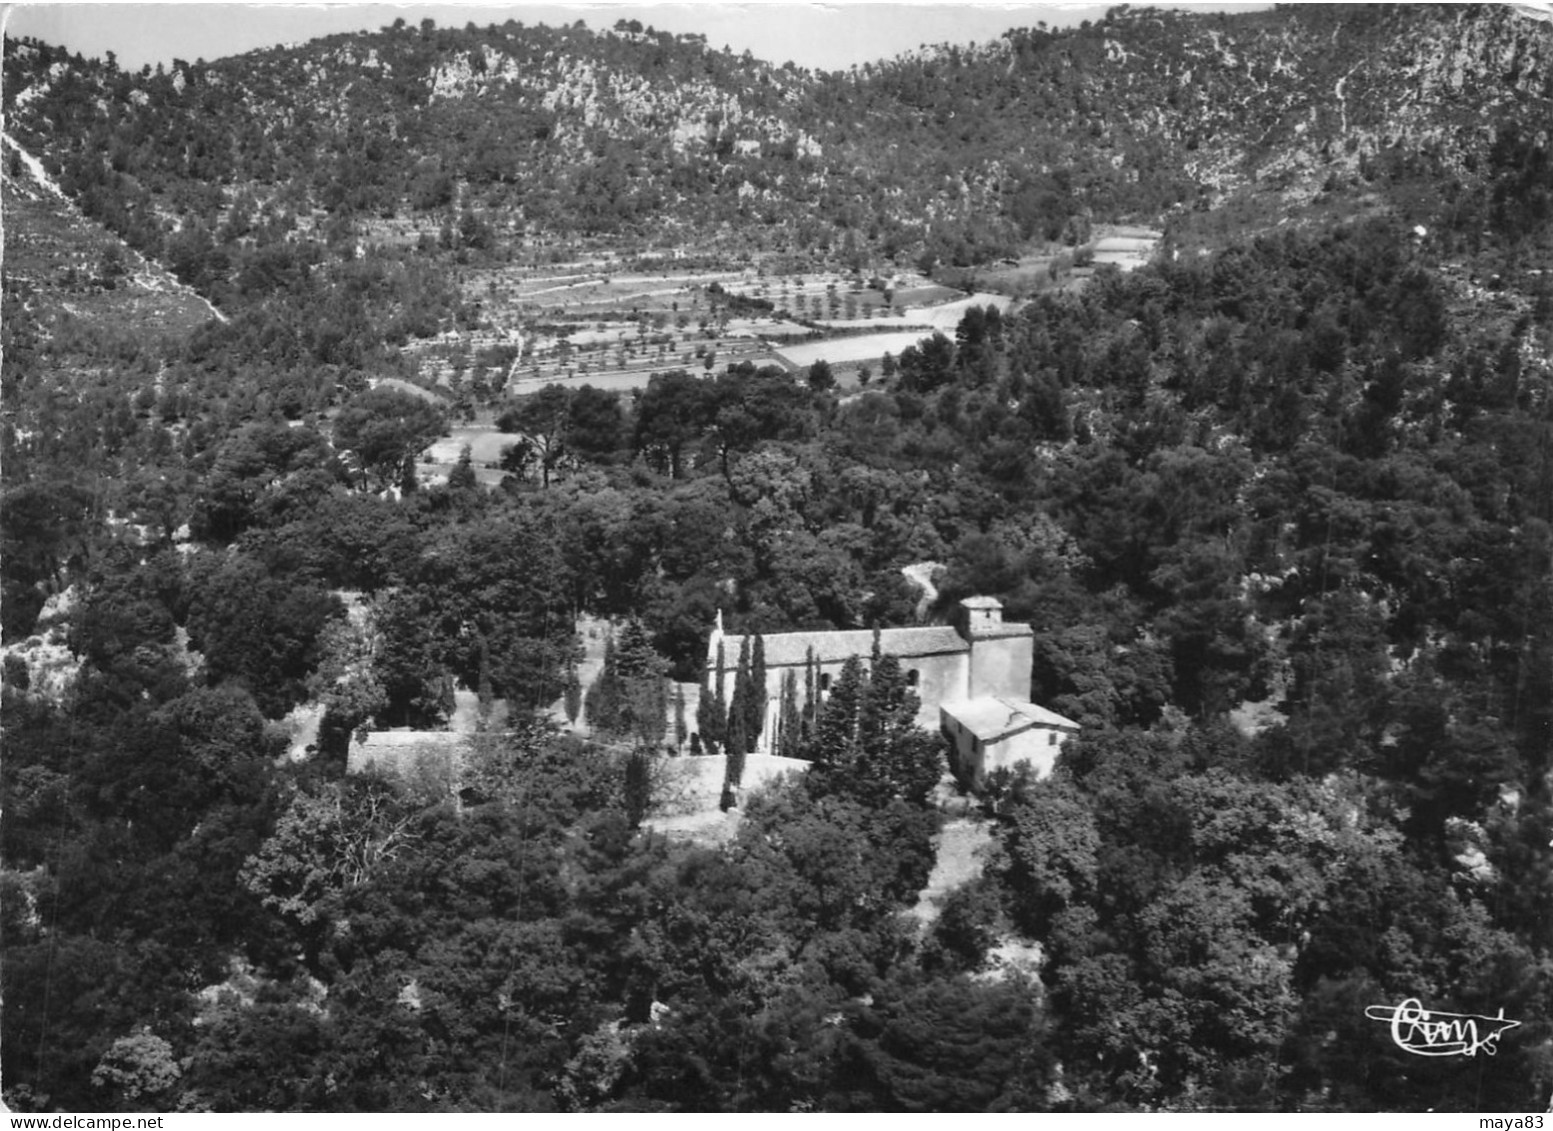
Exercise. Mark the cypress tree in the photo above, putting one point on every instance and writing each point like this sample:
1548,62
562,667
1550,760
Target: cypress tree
603,703
755,701
705,727
484,691
790,721
738,710
733,773
680,727
573,699
811,709
658,722
604,699
638,786
718,717
733,717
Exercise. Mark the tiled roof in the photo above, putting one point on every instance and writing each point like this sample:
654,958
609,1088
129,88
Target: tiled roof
790,648
993,717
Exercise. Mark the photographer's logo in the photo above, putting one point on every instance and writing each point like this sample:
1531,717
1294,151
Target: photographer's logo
1426,1032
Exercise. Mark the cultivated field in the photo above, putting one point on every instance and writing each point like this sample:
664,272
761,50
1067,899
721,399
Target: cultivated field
841,351
485,444
586,324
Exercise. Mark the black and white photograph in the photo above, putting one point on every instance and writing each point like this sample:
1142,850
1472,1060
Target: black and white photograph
776,558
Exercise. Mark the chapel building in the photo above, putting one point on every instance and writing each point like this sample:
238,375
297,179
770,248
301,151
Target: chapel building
973,683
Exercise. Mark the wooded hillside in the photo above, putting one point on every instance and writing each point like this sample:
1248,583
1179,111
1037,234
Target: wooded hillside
1279,506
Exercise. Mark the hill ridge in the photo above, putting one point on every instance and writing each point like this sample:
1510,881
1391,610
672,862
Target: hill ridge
966,150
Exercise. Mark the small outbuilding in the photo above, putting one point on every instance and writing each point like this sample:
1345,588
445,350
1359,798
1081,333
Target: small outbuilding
996,732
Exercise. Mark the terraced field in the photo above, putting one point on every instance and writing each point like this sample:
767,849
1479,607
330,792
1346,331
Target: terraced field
585,323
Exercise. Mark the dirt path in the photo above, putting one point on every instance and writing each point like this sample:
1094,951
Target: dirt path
466,712
921,574
304,736
960,856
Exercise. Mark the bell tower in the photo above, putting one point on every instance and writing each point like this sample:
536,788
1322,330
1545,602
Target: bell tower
1001,654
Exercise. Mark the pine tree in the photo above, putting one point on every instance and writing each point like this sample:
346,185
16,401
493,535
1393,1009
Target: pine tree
888,705
834,749
462,477
867,745
632,699
635,656
886,719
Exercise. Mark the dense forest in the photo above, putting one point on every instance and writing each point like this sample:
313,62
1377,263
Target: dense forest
1280,510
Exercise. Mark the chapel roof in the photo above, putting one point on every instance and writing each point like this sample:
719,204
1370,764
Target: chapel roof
791,648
